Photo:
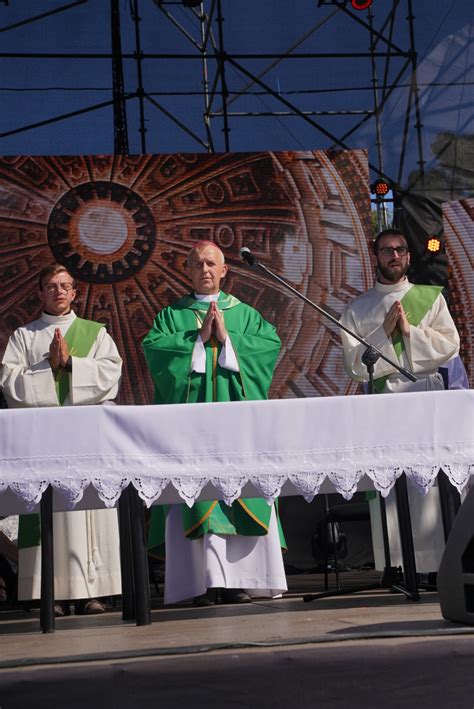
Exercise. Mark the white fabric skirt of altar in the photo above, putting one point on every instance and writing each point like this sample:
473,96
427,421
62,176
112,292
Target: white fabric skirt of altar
234,449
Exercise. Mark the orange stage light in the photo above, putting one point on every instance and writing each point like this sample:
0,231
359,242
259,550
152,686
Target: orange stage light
434,245
380,187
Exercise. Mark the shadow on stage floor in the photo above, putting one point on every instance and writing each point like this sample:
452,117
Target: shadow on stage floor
372,649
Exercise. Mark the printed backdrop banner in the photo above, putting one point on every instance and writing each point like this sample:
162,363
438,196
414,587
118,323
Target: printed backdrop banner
458,223
123,226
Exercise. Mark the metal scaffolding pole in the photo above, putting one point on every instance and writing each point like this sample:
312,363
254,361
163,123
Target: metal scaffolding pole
120,111
196,25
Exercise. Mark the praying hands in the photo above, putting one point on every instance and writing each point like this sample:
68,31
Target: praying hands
58,350
213,324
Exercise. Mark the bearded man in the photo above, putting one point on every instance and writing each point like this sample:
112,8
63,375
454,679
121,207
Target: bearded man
410,324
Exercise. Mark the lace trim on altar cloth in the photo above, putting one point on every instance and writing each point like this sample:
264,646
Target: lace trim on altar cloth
300,474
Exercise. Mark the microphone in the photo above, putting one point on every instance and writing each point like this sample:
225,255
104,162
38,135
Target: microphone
247,256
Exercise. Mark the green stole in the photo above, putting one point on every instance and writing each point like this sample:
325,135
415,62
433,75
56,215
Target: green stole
80,337
416,303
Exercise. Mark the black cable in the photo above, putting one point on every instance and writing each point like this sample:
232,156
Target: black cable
293,92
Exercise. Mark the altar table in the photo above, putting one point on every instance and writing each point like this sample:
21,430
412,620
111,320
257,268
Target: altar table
89,455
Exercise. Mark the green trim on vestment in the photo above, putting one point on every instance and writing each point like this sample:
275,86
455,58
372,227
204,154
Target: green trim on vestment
29,531
80,337
416,303
249,517
225,301
235,517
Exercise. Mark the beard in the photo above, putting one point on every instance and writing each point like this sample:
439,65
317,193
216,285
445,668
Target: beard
393,273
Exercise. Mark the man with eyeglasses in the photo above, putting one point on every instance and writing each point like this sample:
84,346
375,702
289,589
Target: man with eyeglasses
410,324
63,360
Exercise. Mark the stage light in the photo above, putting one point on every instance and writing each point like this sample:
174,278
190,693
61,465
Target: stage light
434,245
356,4
361,4
380,187
191,3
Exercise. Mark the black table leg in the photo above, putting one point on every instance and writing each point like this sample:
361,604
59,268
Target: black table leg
47,562
410,589
140,564
126,559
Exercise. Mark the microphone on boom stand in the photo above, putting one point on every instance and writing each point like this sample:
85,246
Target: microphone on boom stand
247,256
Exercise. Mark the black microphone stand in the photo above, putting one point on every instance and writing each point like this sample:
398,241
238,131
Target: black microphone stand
391,575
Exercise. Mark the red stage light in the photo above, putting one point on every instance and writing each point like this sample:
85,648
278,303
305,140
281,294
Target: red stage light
361,4
380,188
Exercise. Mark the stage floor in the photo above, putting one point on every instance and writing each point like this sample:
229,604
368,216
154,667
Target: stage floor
368,649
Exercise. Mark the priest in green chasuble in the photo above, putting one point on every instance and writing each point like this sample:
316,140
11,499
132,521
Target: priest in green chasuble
206,347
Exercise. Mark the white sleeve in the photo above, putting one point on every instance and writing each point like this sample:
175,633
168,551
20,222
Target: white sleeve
198,362
434,341
26,384
227,357
96,378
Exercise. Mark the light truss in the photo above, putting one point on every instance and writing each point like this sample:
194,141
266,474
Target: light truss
224,78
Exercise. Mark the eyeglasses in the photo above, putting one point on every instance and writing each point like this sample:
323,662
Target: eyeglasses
389,250
53,287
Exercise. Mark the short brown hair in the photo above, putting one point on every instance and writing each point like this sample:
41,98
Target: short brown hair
387,232
52,270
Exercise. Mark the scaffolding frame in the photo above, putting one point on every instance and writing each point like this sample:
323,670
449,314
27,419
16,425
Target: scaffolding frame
208,48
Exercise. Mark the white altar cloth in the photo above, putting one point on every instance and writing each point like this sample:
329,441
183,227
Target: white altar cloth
258,448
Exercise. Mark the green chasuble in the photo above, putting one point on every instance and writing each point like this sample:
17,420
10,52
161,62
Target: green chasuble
80,337
168,351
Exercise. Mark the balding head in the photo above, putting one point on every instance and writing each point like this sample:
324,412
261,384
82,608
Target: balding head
200,246
206,267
